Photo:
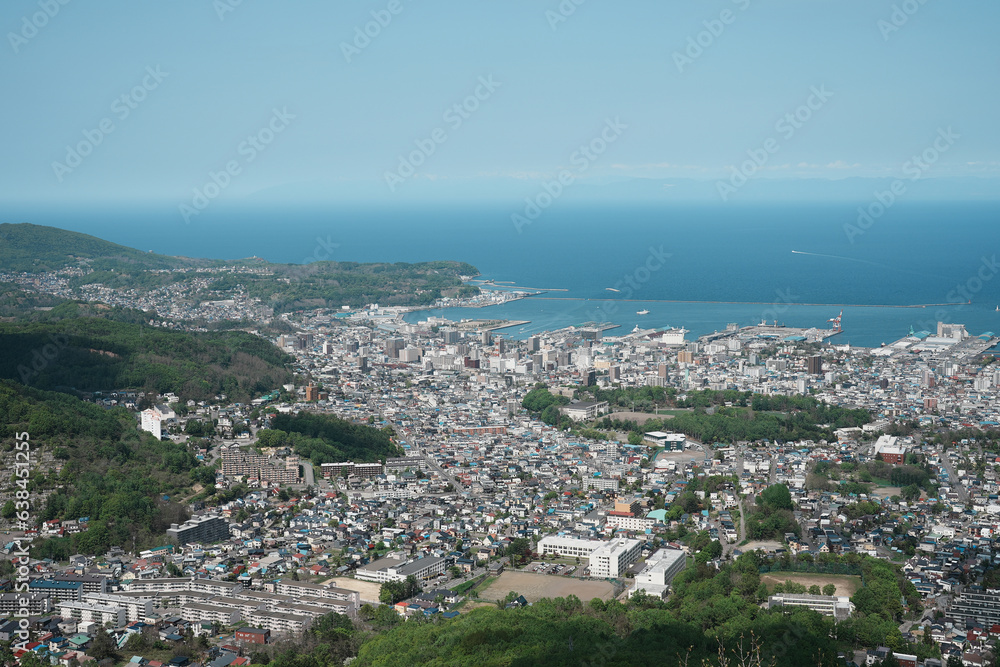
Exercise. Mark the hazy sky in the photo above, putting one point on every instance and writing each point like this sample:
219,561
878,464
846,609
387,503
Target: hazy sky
293,95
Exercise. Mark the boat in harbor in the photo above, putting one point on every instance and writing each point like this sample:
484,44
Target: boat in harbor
642,312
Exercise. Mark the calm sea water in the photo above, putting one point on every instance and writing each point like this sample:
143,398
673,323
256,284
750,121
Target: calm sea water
789,254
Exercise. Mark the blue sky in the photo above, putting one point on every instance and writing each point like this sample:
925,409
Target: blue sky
200,78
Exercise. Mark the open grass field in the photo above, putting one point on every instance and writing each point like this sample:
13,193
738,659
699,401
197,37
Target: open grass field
537,586
846,584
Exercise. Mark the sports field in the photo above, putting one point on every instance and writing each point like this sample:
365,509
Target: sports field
846,584
537,586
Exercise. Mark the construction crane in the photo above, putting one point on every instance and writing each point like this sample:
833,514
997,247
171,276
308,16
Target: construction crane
836,321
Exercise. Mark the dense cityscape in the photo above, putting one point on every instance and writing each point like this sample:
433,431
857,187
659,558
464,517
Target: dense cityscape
582,461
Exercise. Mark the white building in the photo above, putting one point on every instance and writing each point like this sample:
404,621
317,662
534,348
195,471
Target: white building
98,613
635,523
136,608
151,422
568,546
659,571
395,569
584,410
838,607
613,558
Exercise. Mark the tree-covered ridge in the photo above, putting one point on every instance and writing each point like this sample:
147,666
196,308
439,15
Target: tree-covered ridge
329,439
37,248
565,631
285,287
335,284
111,472
92,354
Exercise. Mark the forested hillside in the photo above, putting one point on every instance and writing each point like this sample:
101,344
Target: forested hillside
105,469
37,248
328,439
92,354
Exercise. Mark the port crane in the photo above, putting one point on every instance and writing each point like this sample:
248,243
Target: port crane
836,321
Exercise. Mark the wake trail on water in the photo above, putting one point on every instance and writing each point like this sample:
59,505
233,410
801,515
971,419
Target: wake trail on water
866,261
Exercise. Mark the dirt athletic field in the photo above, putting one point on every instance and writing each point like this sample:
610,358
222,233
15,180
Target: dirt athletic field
846,584
537,586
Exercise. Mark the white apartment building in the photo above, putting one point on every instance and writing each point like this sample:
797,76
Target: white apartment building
136,608
151,422
96,613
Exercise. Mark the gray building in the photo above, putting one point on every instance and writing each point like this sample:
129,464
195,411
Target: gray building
201,530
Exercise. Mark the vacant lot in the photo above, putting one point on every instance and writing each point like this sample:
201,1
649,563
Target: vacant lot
765,545
846,583
886,491
537,586
368,590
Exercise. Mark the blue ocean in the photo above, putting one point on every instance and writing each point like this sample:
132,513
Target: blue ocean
773,260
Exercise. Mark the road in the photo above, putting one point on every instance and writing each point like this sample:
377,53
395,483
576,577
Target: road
432,462
308,474
727,546
953,480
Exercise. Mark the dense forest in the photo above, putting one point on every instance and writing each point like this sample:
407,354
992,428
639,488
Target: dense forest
94,354
122,479
329,439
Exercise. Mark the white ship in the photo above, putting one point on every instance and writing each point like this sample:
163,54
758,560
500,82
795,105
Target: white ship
642,312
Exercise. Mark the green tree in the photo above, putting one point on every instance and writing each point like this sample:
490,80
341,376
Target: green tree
8,510
103,646
776,497
829,589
